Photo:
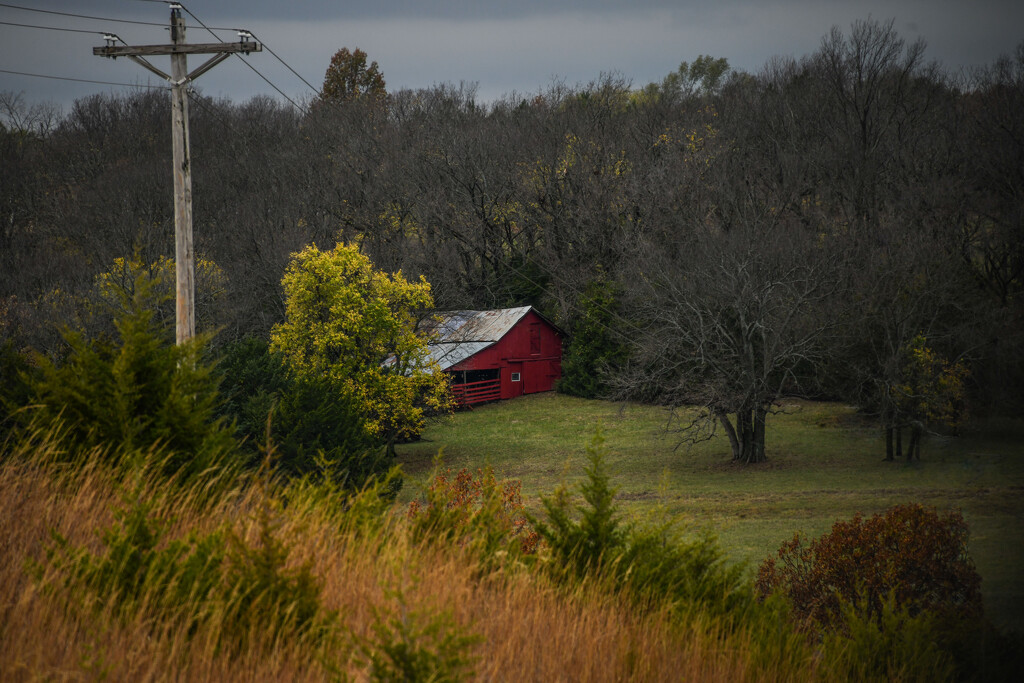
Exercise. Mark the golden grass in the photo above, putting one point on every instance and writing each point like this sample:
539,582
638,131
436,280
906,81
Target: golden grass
528,628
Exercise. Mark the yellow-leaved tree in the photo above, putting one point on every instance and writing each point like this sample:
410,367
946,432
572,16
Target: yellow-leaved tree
931,391
354,326
117,285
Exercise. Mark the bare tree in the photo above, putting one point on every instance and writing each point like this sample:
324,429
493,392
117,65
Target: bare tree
991,229
734,327
868,82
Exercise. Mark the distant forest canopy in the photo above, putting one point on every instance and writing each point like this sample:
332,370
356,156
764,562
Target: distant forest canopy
849,224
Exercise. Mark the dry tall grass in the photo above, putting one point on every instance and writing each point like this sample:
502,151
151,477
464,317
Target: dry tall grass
528,629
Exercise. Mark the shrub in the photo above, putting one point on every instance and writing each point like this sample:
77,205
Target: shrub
596,346
475,509
136,568
891,645
246,593
319,430
316,428
362,512
16,380
263,597
252,380
598,536
664,563
653,563
911,554
413,645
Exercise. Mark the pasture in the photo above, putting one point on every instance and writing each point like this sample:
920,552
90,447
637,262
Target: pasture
825,462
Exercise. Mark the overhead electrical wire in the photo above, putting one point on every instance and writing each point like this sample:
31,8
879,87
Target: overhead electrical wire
94,18
202,25
287,66
52,28
254,69
81,80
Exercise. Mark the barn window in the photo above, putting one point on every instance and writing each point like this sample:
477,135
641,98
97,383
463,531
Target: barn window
515,376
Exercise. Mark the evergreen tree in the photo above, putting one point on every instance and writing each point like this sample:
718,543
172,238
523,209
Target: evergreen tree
133,392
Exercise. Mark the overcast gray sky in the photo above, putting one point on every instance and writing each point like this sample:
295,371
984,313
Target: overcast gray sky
501,46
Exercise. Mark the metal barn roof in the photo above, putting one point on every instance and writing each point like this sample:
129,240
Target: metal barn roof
457,335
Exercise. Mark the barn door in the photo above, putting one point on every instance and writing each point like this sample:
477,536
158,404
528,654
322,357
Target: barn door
535,376
512,380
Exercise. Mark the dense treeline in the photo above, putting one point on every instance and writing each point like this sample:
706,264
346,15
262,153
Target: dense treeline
849,224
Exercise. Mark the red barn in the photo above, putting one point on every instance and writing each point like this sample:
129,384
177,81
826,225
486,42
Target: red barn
494,355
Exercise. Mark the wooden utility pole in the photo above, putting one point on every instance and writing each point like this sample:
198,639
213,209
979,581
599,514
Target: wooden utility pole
184,267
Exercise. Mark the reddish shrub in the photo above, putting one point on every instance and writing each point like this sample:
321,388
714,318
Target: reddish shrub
911,553
468,505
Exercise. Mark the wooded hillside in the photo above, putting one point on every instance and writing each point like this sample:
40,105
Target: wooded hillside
849,224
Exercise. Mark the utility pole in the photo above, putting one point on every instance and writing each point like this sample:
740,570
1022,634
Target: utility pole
184,267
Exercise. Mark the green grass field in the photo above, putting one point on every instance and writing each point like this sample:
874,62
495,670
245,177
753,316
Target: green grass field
824,463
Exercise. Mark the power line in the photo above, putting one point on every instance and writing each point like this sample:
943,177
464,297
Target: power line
94,18
287,66
80,80
52,28
151,23
254,69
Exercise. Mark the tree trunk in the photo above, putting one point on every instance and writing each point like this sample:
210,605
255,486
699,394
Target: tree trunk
747,437
757,453
746,429
888,444
914,449
723,417
899,442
